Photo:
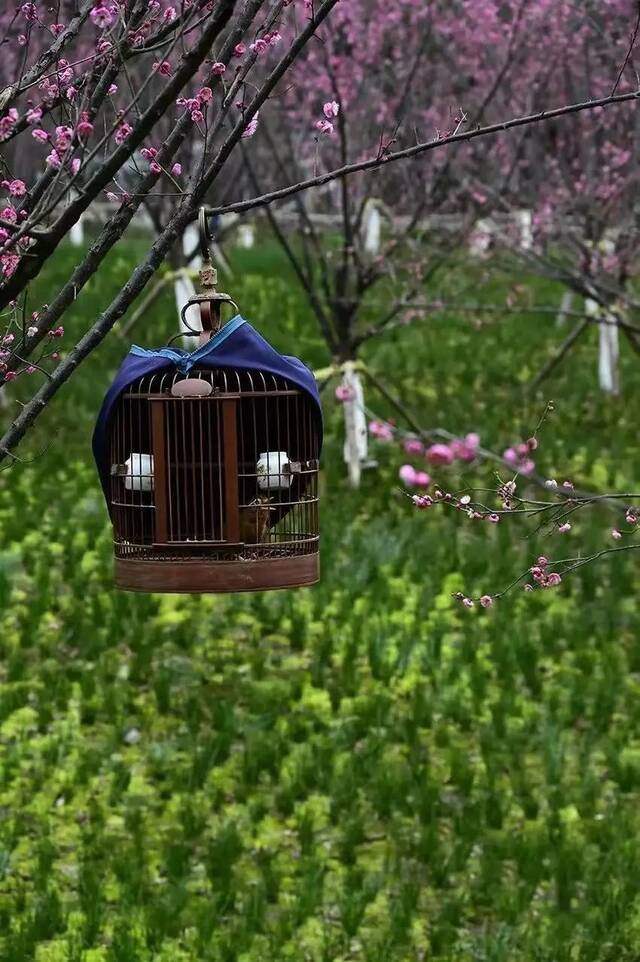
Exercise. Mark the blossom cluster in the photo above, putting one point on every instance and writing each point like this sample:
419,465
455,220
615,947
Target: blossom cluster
439,454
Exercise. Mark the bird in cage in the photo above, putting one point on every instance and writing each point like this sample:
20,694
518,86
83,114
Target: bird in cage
255,520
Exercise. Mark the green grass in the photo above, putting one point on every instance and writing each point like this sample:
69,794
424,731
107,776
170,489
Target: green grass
361,771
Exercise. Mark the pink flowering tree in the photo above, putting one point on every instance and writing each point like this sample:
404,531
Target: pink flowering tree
133,100
128,101
363,246
576,182
367,247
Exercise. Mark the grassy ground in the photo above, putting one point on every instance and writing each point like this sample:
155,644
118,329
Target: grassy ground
361,771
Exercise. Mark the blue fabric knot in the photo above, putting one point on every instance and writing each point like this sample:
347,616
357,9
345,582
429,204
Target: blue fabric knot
184,360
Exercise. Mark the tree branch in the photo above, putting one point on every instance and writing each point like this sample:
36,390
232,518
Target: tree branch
392,157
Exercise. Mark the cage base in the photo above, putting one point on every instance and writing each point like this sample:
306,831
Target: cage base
213,577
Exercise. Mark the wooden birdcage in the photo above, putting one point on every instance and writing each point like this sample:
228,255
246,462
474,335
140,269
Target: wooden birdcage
214,478
214,483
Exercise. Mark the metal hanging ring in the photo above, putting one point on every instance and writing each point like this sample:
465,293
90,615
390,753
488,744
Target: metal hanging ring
191,332
205,234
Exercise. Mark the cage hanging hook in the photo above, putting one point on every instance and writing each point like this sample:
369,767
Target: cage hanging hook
209,300
205,235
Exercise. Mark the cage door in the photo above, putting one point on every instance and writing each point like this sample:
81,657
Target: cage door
195,448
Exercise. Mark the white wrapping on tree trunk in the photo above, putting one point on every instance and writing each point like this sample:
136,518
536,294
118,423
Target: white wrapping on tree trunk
372,228
565,306
608,360
609,348
183,285
246,236
76,234
480,237
355,424
525,221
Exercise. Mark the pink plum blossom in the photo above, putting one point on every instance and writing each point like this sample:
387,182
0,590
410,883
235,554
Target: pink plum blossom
8,122
413,446
53,159
407,475
101,16
344,393
440,454
465,449
9,264
122,133
251,128
381,430
331,109
85,127
64,136
17,188
517,459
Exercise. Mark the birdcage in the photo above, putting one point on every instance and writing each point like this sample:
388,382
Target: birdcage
209,464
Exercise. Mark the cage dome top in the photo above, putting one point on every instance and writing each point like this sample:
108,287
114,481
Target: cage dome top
237,345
